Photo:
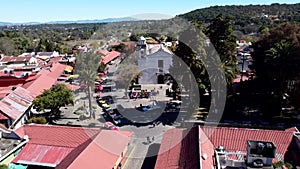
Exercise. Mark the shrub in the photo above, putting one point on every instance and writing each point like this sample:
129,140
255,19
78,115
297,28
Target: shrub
281,163
3,166
37,120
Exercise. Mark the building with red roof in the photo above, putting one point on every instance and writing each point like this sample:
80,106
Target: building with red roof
179,150
11,77
71,147
232,143
110,57
102,52
19,61
45,79
14,108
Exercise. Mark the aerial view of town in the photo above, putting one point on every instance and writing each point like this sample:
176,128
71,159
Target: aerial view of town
149,85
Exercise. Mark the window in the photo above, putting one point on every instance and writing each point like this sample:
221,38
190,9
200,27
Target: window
160,63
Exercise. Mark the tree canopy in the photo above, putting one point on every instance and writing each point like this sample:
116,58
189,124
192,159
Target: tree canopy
87,65
276,56
249,18
54,98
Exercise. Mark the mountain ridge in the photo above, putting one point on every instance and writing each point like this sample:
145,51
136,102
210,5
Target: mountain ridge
106,20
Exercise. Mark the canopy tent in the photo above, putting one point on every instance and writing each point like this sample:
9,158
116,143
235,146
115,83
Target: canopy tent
73,76
69,69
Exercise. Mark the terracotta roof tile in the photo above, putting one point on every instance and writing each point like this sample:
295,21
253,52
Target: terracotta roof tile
44,155
16,103
179,149
45,79
235,139
111,56
108,145
57,135
71,147
15,59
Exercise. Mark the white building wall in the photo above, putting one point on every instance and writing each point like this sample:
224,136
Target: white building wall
149,66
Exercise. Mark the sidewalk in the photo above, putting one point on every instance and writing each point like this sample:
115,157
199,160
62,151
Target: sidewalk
68,117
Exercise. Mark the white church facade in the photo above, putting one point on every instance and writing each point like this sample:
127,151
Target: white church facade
154,62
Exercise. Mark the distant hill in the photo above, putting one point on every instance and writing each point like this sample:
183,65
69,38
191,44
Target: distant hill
5,23
247,15
108,20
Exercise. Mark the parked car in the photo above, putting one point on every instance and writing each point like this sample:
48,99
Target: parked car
115,116
110,125
148,107
108,99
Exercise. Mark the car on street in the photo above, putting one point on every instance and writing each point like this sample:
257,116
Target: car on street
108,99
110,125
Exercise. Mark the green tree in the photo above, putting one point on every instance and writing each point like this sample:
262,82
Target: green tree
7,46
87,64
276,56
37,120
120,48
54,98
276,63
127,73
45,45
191,51
282,63
220,33
3,166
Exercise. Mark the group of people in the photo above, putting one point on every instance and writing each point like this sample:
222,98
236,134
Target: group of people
141,94
150,140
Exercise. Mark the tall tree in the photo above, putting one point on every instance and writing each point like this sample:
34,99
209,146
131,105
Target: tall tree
276,56
282,63
54,98
127,73
191,51
87,64
220,33
276,63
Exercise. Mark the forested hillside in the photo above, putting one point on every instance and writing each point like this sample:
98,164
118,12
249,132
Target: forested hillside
249,18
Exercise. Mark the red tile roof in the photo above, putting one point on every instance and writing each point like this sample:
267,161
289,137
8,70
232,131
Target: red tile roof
179,150
15,59
3,117
5,91
71,147
56,135
16,103
111,56
55,60
46,79
103,52
235,139
35,154
206,151
104,151
56,70
49,145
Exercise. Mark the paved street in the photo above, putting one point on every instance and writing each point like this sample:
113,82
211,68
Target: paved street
140,148
148,126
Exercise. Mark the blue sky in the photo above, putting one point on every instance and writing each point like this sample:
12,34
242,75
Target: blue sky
58,10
